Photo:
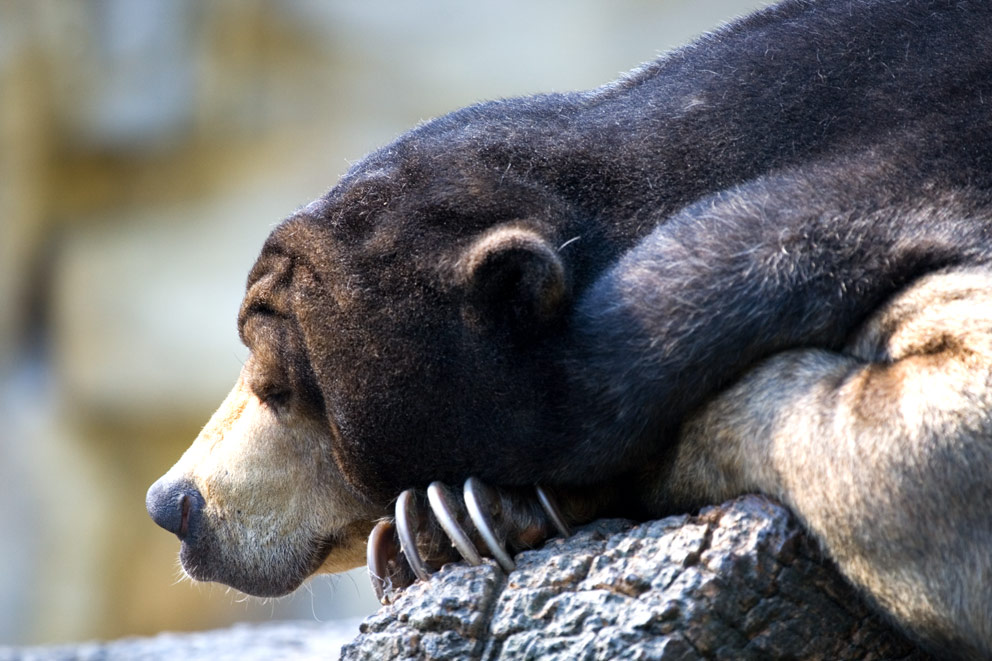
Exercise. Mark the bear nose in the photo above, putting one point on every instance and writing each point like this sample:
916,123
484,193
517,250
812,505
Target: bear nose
176,506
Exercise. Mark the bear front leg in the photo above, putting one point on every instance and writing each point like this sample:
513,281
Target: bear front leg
884,452
787,261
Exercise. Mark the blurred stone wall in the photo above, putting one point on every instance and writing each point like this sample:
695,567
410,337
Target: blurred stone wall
147,147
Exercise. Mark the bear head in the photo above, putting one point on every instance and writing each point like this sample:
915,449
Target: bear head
402,329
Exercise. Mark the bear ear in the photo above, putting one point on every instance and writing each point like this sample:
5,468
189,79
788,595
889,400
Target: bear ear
513,280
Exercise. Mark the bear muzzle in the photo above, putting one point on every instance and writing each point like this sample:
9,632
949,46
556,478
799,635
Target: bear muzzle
258,502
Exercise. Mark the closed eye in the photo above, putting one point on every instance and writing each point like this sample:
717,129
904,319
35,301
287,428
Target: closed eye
274,397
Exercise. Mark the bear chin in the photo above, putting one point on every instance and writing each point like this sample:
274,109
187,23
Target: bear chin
276,578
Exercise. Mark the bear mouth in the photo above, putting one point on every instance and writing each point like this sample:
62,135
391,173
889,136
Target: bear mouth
275,573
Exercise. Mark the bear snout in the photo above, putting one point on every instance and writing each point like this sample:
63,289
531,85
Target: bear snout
175,506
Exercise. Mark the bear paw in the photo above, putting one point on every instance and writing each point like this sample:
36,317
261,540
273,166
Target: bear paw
487,522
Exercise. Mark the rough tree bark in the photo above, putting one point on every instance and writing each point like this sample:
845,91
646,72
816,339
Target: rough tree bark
738,581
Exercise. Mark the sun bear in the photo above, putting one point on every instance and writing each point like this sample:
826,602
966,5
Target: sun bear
760,263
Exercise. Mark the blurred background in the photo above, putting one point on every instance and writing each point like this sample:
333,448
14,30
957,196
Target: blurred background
147,147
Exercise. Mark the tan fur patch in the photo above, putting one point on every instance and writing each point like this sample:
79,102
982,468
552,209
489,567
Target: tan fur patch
271,490
884,450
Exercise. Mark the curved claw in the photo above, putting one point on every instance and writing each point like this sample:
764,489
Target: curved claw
441,504
386,570
378,571
502,520
550,507
407,522
477,501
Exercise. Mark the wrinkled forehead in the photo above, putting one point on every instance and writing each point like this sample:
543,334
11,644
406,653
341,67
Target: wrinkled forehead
310,268
394,223
294,254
